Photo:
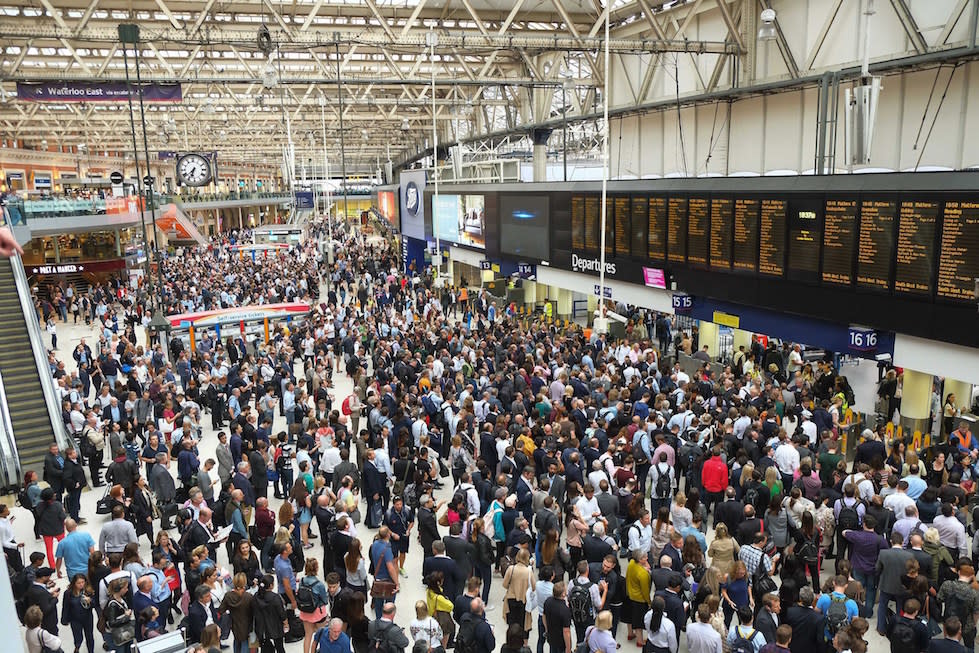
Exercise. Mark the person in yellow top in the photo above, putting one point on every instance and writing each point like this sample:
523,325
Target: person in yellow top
526,443
425,382
439,606
637,582
549,313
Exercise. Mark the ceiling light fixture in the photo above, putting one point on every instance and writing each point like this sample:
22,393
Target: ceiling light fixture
767,31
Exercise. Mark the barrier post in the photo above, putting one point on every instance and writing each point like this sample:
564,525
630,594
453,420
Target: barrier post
266,322
193,344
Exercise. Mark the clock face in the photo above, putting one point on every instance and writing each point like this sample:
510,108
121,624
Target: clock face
193,170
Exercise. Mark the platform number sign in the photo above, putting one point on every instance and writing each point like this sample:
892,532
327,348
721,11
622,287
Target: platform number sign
485,265
682,303
863,340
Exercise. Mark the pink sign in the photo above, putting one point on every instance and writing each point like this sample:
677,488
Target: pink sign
654,278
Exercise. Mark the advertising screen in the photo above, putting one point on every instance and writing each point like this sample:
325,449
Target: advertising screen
460,219
525,226
412,206
386,205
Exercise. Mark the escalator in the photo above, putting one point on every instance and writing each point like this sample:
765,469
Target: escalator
30,404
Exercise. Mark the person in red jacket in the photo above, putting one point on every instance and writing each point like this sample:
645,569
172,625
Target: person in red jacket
714,478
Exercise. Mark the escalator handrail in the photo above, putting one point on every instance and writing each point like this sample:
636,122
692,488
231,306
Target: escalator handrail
9,458
51,401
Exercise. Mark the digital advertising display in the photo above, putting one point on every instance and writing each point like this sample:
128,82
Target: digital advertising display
412,204
525,226
460,219
387,205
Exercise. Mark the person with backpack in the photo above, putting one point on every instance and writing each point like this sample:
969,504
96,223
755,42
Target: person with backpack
850,512
385,636
959,599
585,599
838,609
866,545
312,600
475,634
270,616
906,632
661,479
743,638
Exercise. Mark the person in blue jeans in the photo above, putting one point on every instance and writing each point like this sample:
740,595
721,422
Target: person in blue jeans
383,567
865,546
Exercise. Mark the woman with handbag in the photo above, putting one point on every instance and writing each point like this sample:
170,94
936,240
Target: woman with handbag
76,610
518,577
39,640
440,607
117,618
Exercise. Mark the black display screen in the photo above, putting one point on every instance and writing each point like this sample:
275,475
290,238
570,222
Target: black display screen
876,248
721,232
746,235
623,230
677,232
958,267
698,233
771,247
656,242
525,226
839,241
805,239
640,226
916,247
578,223
592,223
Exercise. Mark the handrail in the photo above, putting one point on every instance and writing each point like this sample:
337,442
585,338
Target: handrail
9,458
51,401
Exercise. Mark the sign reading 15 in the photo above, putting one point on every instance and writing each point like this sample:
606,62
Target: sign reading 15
682,302
863,339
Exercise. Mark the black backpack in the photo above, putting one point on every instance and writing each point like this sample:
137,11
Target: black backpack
466,637
24,500
902,636
849,518
836,615
305,599
751,496
743,644
19,584
379,642
579,600
664,484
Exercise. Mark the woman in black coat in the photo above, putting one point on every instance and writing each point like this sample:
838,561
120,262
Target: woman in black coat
270,616
76,610
142,509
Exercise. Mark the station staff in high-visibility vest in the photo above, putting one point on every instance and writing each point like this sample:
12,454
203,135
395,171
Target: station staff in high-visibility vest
548,310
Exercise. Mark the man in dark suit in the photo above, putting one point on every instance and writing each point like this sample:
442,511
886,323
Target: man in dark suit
428,526
38,594
340,543
242,482
546,518
768,618
198,612
142,598
595,549
557,483
259,478
661,575
73,479
115,413
807,624
745,534
729,512
952,640
525,493
674,549
198,533
452,576
460,550
891,565
674,601
54,470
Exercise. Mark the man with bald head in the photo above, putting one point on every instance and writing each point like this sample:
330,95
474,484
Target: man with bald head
199,534
73,550
474,631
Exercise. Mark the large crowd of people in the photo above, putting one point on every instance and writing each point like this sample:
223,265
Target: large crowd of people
584,482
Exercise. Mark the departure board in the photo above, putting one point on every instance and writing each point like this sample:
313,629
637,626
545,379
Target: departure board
578,223
771,240
609,226
677,229
805,239
721,232
623,230
592,223
916,247
640,226
876,244
657,229
839,238
698,219
958,266
746,235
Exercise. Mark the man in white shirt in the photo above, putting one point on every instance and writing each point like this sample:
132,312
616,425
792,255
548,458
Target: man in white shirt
641,533
587,506
809,427
787,459
701,636
900,500
950,532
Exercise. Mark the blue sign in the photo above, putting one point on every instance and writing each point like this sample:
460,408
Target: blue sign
526,270
304,200
682,303
607,291
863,340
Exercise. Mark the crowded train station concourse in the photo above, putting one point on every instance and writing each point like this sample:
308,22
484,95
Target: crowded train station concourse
489,326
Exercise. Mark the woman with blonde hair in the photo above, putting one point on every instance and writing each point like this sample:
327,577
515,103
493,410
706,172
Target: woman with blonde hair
723,550
772,480
518,577
425,628
717,620
679,513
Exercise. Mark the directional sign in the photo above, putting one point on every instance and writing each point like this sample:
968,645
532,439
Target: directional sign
607,294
